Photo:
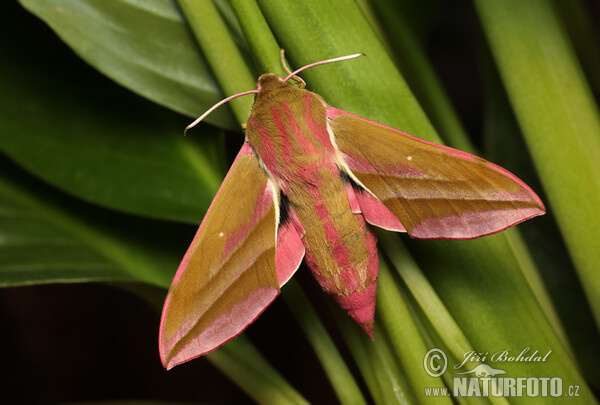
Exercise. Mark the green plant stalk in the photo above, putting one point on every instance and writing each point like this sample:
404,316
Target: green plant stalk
406,341
559,120
360,347
258,35
221,52
397,388
340,377
378,365
242,363
434,309
532,275
584,34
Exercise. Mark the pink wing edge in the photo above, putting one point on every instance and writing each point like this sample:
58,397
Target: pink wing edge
376,213
288,257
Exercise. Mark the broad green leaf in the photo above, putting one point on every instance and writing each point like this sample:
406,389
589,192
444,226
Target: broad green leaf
33,250
69,126
143,45
47,237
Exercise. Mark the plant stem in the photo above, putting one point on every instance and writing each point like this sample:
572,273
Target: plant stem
559,120
221,52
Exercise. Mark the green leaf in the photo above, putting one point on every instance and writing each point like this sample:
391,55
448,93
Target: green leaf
67,125
310,31
579,19
144,46
263,44
225,58
343,384
502,139
47,237
559,119
33,250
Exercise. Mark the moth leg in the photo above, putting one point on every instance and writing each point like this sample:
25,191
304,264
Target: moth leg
301,83
243,125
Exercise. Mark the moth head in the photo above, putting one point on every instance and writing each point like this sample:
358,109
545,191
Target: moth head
271,81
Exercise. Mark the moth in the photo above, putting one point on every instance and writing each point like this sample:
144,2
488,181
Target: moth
308,183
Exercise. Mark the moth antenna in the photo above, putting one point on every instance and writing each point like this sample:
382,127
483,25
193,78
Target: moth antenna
214,107
323,62
299,81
